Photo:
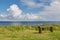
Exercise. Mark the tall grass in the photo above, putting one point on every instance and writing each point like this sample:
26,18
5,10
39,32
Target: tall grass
29,32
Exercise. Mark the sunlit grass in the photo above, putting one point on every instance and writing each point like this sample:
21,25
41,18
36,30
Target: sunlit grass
28,32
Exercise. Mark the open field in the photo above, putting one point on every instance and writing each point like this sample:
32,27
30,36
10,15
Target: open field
28,32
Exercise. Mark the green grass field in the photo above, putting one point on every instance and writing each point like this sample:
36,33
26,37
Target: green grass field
28,32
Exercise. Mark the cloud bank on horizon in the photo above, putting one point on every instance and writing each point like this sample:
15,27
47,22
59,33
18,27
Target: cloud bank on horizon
46,10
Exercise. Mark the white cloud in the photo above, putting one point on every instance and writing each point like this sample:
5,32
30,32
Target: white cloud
31,16
16,14
52,12
31,3
3,16
14,11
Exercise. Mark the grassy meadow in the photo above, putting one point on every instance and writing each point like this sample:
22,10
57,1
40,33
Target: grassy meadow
29,32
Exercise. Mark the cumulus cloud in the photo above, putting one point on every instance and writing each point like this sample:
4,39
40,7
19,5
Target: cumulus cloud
31,16
14,11
50,13
16,14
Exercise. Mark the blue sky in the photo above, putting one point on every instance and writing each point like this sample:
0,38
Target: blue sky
30,10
